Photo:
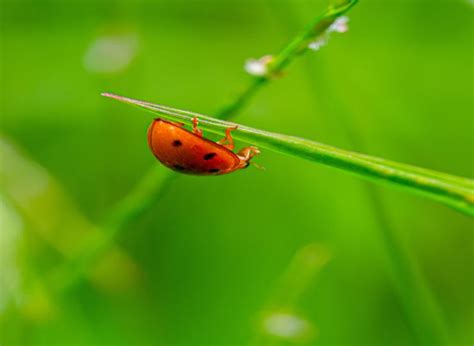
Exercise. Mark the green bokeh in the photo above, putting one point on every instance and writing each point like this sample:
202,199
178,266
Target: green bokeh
208,257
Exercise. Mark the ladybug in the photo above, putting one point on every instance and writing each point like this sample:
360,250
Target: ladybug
188,152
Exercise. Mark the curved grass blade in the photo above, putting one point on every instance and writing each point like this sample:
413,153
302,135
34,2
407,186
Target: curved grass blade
453,191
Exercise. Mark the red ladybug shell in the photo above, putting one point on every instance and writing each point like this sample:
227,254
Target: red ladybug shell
186,152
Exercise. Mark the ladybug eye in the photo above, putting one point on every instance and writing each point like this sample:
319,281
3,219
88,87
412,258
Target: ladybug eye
176,143
209,156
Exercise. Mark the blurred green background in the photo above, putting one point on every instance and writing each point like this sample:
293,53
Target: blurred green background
236,259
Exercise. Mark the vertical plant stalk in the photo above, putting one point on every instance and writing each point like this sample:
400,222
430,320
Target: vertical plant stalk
297,46
421,307
127,210
150,189
58,223
281,320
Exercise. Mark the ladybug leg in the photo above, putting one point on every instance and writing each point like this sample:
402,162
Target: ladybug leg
196,131
246,154
228,141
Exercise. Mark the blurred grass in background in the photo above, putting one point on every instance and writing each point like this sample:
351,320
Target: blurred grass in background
202,265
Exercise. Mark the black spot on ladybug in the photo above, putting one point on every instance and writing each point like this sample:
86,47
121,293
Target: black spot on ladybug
214,170
178,167
176,143
209,156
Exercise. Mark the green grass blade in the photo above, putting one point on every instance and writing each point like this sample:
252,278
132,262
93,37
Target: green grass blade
451,190
286,300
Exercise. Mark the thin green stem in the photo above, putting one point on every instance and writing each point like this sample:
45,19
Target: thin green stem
300,43
231,109
297,46
127,210
421,307
285,299
450,190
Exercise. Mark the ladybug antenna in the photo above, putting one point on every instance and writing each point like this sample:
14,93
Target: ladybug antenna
260,167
